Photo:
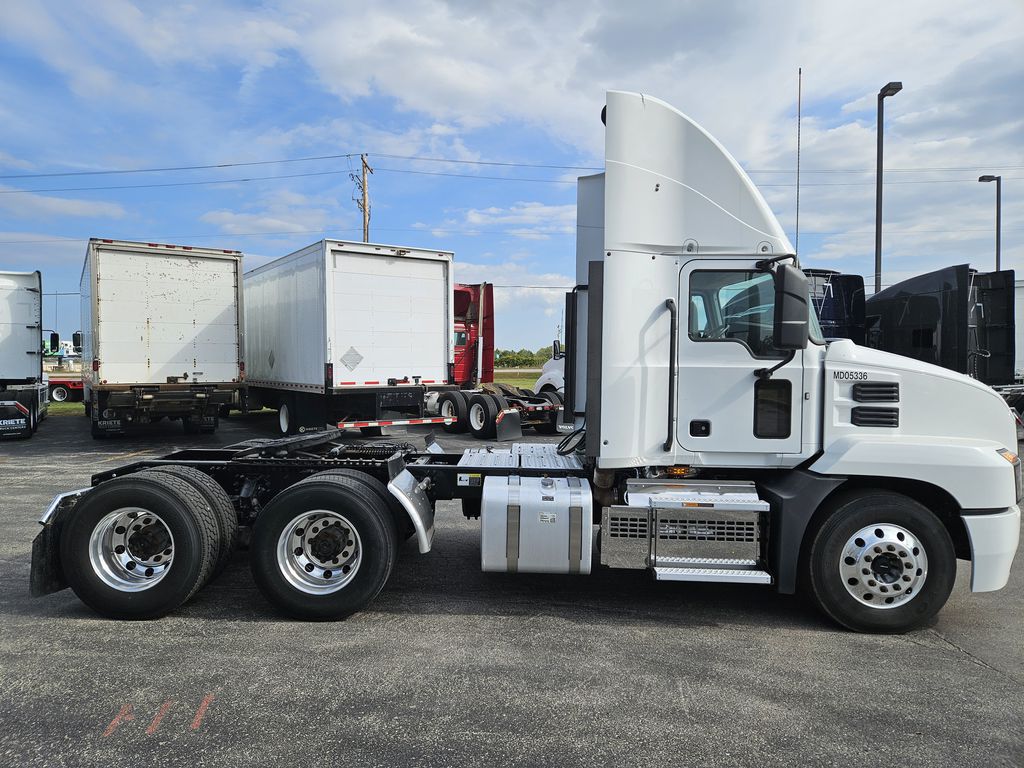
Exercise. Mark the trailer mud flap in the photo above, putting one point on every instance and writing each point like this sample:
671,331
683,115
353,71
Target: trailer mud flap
414,501
508,425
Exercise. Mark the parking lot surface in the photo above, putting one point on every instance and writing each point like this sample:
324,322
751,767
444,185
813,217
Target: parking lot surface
451,666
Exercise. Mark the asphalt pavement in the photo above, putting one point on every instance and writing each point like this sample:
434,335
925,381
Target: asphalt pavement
452,666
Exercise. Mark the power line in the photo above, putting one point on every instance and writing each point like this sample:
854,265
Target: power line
175,168
460,161
466,232
170,183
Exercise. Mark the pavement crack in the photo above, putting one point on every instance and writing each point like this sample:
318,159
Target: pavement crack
975,659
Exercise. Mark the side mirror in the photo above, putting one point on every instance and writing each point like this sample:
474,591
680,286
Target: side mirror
54,342
790,331
556,350
76,341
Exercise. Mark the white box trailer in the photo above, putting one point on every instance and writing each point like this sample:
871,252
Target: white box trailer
24,397
345,331
161,334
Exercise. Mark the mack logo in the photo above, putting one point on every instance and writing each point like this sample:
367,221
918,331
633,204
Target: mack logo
849,375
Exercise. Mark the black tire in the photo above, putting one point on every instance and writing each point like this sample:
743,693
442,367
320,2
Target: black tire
186,516
59,393
219,502
483,410
88,409
403,525
209,430
549,427
33,417
332,495
190,425
456,404
883,511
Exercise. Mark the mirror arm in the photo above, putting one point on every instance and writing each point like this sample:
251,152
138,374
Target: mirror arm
766,373
765,265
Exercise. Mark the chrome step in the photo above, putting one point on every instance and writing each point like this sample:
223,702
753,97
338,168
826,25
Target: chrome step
734,564
733,576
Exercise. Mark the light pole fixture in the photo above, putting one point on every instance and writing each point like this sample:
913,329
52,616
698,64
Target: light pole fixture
999,209
890,89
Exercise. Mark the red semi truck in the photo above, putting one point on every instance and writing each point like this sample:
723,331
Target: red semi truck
474,334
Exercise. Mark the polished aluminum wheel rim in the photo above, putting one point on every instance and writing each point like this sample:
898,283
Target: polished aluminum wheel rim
319,552
883,566
131,549
283,418
59,394
477,417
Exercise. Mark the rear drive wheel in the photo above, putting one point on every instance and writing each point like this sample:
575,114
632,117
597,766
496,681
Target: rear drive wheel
403,525
33,417
139,546
59,393
323,549
454,405
219,502
483,410
881,562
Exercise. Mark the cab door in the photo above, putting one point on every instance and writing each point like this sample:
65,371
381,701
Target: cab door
725,339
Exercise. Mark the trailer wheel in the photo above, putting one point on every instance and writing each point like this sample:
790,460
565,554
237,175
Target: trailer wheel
139,546
549,427
880,562
323,549
286,413
454,405
218,501
483,411
59,393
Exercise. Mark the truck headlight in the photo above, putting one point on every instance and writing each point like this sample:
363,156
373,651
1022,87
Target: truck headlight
1018,480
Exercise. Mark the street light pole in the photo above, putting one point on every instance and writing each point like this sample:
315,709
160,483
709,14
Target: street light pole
999,210
890,89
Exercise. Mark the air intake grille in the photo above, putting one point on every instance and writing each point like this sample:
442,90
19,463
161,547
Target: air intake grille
865,416
876,392
744,531
627,527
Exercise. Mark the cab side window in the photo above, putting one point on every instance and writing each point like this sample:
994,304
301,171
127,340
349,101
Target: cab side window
733,306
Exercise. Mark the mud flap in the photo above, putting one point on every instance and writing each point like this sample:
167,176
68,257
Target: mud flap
46,575
507,425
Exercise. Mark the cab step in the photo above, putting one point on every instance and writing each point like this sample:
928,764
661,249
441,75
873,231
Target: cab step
724,575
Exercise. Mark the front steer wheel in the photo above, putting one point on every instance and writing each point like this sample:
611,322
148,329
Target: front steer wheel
880,562
137,547
323,548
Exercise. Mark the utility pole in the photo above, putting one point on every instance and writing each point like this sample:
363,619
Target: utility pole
364,201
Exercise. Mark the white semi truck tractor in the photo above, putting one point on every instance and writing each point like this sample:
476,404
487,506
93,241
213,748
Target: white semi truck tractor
717,438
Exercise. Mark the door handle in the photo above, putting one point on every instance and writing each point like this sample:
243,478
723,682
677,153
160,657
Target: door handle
670,305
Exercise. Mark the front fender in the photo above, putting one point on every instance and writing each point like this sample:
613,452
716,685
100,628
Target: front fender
971,471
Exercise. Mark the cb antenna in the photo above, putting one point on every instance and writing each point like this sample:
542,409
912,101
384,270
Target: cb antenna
799,99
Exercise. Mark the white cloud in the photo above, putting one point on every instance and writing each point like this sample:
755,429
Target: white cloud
30,205
283,211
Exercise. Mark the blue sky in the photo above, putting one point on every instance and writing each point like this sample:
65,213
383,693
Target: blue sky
114,85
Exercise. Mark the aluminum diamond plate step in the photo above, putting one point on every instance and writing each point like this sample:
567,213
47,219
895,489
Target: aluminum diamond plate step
712,574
